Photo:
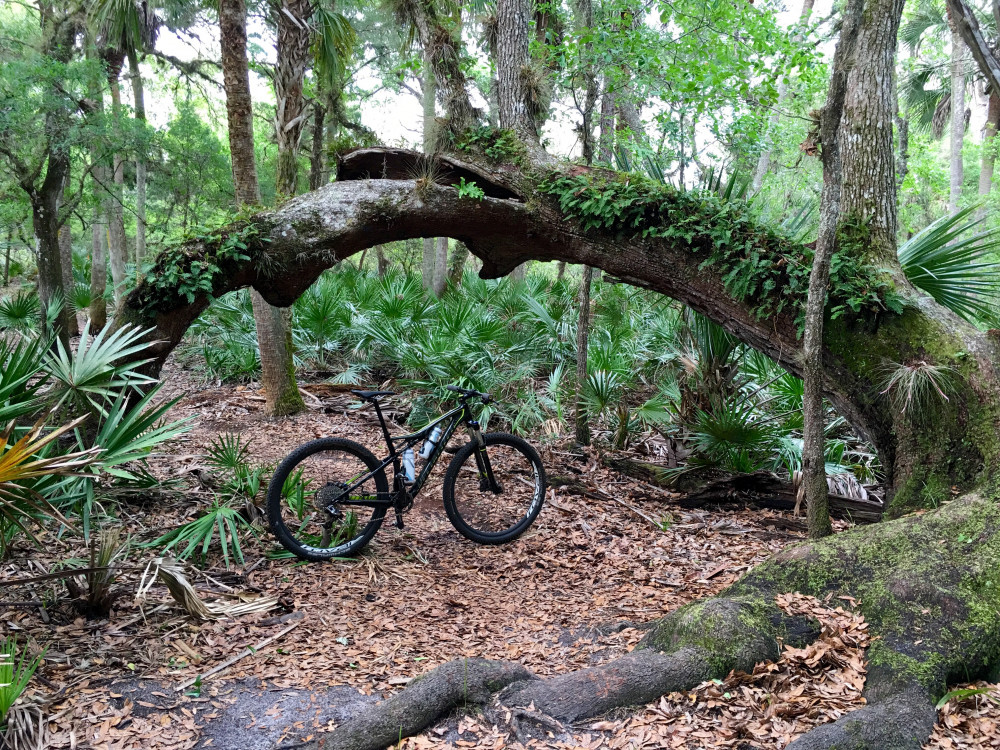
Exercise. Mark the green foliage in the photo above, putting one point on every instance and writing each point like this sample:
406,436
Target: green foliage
955,266
88,379
181,272
500,145
469,190
238,481
16,670
961,694
20,312
196,536
758,266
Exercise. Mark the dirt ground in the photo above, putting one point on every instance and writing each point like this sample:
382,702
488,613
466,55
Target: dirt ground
572,592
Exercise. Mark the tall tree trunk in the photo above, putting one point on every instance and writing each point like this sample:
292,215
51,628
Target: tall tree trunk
274,335
66,261
383,261
584,18
294,37
45,222
606,143
764,160
6,254
429,93
98,267
958,55
511,62
274,325
859,189
116,232
139,98
989,148
456,266
580,416
440,265
814,423
317,160
239,105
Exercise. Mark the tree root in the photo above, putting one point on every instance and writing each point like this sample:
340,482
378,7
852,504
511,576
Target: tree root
902,721
426,699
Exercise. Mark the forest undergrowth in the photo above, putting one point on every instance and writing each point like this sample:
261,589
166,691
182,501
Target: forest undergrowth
573,592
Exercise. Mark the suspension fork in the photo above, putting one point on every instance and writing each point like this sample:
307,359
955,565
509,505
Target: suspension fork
487,480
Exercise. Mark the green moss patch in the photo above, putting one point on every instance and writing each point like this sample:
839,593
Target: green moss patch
758,265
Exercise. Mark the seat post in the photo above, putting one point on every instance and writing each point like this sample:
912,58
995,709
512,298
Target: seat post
385,430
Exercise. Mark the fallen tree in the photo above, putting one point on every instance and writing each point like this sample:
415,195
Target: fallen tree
927,582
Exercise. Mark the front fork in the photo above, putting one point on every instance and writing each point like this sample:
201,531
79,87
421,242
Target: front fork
487,480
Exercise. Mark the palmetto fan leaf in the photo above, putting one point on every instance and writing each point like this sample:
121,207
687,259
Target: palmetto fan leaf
125,24
956,267
23,461
96,372
334,40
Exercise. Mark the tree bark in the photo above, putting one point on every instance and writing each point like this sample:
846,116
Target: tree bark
98,269
317,159
68,283
274,335
989,148
117,249
440,265
958,50
428,264
512,64
139,99
814,421
581,417
584,16
291,18
606,143
965,22
239,108
443,46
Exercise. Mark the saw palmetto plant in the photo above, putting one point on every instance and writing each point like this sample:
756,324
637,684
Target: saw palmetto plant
23,461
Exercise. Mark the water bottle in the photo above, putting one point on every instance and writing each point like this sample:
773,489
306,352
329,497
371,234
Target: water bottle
429,444
408,464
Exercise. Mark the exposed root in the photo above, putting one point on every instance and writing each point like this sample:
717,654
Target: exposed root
460,683
901,721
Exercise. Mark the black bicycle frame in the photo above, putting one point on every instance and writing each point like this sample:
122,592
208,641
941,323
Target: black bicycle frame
458,415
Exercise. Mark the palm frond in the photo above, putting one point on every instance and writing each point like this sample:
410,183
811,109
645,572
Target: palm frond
956,266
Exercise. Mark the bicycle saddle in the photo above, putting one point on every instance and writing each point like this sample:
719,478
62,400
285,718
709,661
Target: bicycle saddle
367,395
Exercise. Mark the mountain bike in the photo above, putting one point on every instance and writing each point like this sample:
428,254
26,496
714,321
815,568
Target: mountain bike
328,497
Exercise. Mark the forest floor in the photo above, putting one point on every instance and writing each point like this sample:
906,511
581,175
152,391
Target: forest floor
573,591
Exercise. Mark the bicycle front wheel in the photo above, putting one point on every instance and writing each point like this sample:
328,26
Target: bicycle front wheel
490,513
309,499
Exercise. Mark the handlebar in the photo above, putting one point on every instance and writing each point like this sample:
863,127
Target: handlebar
469,393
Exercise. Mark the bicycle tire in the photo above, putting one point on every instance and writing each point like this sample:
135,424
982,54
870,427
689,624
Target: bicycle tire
471,505
324,463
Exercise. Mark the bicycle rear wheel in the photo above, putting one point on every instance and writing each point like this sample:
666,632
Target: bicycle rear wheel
309,482
491,515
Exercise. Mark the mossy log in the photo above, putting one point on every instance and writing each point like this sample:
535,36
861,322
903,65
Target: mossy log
928,586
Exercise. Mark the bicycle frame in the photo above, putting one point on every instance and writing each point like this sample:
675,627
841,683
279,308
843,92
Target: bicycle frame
398,497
